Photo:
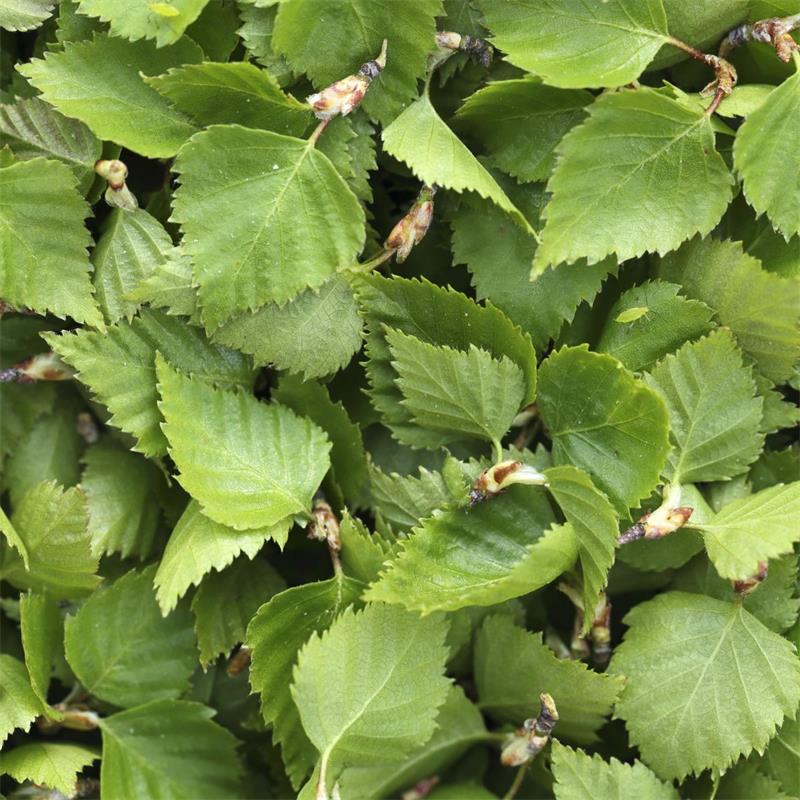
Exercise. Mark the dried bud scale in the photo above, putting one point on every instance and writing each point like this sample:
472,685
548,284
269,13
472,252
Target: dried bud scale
411,229
41,367
421,789
597,642
745,586
667,518
117,194
496,479
239,661
324,526
529,740
87,427
341,97
477,49
775,31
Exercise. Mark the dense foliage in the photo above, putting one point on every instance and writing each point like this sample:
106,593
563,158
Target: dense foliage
399,398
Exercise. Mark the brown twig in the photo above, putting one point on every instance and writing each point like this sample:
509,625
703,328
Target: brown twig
724,73
775,31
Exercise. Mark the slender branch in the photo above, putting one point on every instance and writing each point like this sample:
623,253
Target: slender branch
317,132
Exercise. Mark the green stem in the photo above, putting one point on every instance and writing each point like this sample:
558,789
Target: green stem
497,448
317,132
370,264
517,785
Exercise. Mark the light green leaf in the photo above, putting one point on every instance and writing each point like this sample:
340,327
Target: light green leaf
52,525
709,675
130,393
45,264
521,121
649,321
170,286
761,309
606,186
583,777
617,433
314,334
19,706
215,29
499,255
13,539
595,525
51,764
42,639
715,414
121,648
120,488
766,153
439,316
198,545
435,155
137,19
24,15
238,92
276,634
258,23
455,394
249,464
513,666
459,726
782,757
226,601
99,82
745,782
573,43
245,186
370,684
352,33
132,245
752,529
348,458
32,128
363,553
146,750
500,549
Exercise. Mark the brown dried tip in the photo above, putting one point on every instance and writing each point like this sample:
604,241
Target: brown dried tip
324,526
477,49
658,523
346,94
411,229
41,367
747,585
117,194
531,738
494,480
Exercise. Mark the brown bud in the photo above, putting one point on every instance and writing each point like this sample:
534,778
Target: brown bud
411,229
346,94
41,367
745,586
324,526
421,789
87,427
477,49
494,480
239,661
660,522
117,194
531,738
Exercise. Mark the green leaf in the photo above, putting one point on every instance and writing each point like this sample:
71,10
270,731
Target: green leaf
595,525
617,433
99,82
348,458
715,414
42,636
226,601
32,128
120,488
500,549
435,155
52,526
24,15
744,782
459,726
782,757
649,321
455,394
198,545
215,29
276,633
238,92
362,554
707,672
606,185
513,666
752,529
258,24
438,316
19,706
521,121
582,777
132,245
499,255
121,648
766,154
402,500
249,464
315,334
137,19
146,750
760,308
328,39
170,286
244,186
373,682
50,764
47,268
130,393
572,43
